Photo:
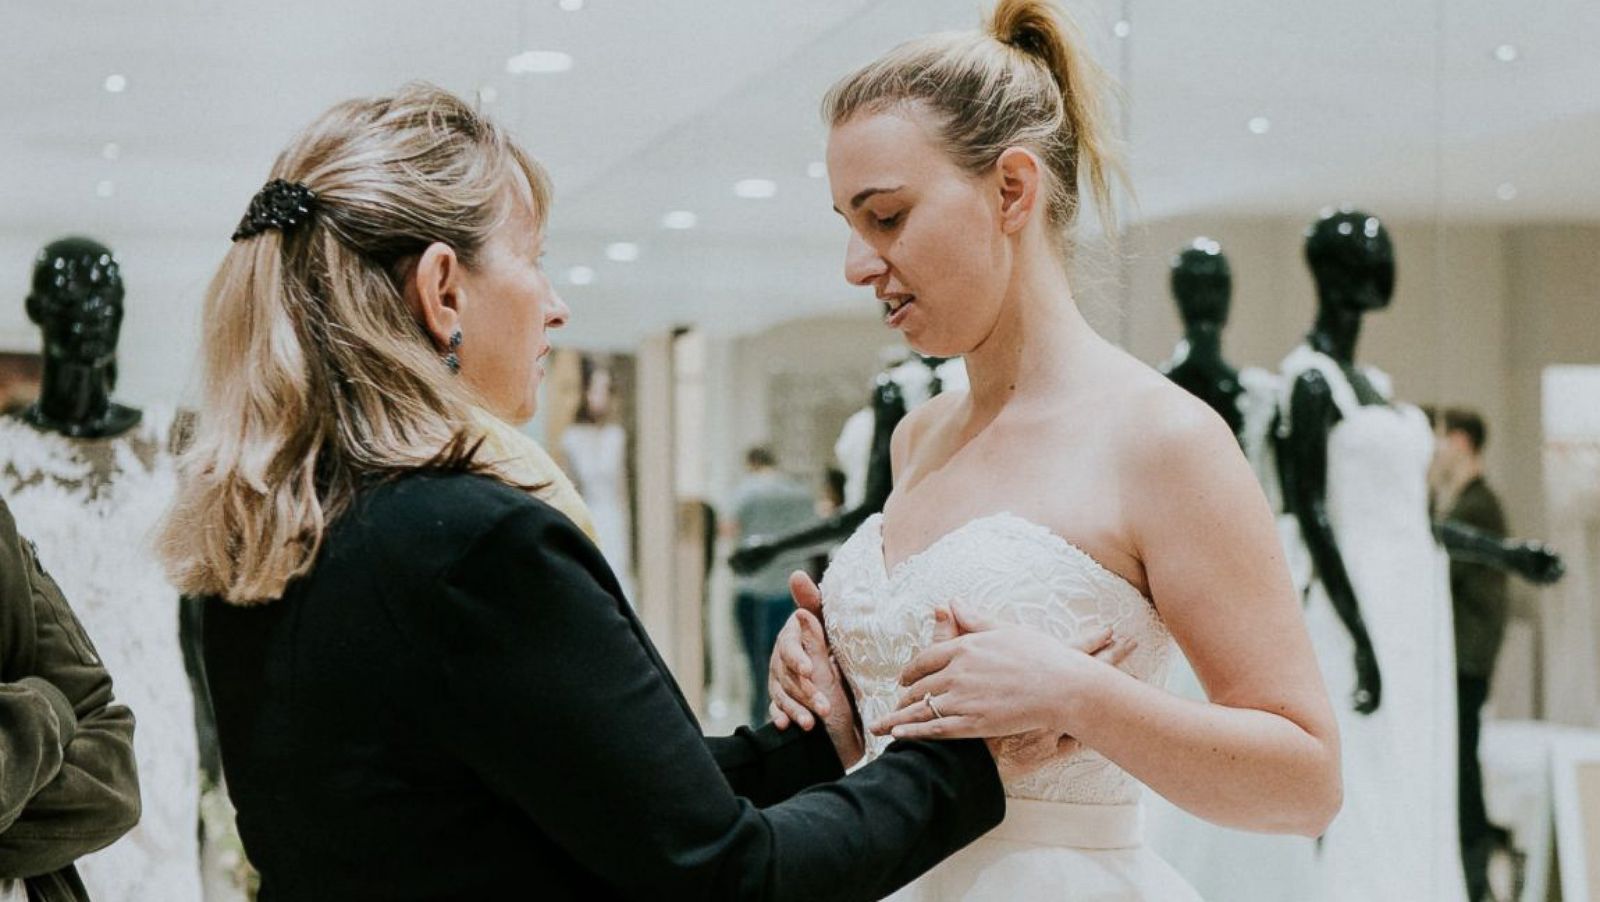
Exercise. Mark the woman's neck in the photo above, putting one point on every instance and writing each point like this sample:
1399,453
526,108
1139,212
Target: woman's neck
1036,338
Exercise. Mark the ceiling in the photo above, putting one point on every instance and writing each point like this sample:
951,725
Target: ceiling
1403,107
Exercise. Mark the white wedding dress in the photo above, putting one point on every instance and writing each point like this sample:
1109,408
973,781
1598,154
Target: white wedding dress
1072,828
91,506
1396,838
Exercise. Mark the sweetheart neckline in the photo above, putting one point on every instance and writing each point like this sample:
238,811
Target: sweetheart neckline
893,574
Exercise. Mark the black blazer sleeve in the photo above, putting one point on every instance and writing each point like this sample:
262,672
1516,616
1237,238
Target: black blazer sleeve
767,765
546,686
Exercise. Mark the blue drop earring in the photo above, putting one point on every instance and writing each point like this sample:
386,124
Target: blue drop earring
452,361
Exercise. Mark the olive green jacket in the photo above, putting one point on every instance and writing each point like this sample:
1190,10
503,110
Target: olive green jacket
1478,590
68,783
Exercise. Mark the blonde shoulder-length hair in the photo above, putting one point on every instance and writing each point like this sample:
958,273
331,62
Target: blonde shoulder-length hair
317,375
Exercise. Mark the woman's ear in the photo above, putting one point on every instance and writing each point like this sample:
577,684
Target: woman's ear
433,292
1019,175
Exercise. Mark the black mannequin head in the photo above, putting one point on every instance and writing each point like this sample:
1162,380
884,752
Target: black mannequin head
1202,284
77,301
1351,259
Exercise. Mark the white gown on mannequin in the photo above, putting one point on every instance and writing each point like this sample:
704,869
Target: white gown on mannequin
1072,829
1396,838
91,507
597,459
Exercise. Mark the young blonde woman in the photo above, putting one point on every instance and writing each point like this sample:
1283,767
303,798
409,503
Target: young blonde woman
428,685
1071,490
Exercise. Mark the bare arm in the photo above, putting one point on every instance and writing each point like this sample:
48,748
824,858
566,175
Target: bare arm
1263,753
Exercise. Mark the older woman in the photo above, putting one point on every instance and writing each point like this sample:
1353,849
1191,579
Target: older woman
427,682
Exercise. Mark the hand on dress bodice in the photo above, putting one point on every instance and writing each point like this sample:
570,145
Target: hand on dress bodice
1007,684
802,668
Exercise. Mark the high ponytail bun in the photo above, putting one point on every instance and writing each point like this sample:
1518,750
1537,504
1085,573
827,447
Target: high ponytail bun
1024,81
1039,29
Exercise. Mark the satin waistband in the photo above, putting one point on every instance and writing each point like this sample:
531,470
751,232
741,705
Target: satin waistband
1071,825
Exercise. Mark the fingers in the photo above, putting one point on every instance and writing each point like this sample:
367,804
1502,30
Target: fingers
944,625
790,647
933,659
914,712
776,715
789,675
807,597
968,621
791,710
935,685
795,686
1117,650
1092,643
957,727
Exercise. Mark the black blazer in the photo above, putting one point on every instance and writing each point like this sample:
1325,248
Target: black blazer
457,702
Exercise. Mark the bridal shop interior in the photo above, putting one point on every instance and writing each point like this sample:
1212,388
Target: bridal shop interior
693,237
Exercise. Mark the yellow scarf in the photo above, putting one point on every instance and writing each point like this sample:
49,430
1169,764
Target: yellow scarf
524,461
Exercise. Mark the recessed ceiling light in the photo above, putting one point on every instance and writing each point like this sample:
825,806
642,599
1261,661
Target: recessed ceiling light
755,188
1122,29
1506,53
572,6
106,188
1506,191
679,219
487,94
111,151
817,169
116,84
580,275
622,252
538,62
1260,125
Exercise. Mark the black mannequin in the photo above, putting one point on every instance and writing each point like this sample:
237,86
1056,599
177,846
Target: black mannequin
77,302
888,409
1352,263
1202,284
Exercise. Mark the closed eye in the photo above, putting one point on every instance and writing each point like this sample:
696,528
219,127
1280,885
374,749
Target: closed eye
888,222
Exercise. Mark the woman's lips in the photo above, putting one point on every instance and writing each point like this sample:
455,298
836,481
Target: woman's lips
896,310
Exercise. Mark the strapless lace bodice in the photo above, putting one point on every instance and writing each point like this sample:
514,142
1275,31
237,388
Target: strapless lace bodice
1005,568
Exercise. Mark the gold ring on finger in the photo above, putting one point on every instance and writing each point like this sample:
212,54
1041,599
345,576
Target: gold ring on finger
927,699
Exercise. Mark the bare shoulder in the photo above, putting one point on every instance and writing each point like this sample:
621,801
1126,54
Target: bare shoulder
1158,421
918,423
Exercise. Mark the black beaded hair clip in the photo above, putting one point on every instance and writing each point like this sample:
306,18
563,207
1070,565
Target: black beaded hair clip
278,205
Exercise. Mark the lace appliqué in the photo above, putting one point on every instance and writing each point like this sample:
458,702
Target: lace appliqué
91,507
1009,569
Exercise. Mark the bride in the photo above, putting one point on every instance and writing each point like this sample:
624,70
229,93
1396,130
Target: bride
1071,490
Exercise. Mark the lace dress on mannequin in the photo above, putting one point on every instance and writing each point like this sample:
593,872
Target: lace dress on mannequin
1396,836
1072,828
91,507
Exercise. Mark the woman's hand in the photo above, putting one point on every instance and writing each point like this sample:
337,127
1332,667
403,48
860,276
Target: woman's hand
996,681
802,668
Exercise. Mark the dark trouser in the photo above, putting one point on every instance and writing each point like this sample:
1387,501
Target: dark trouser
1477,836
760,618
